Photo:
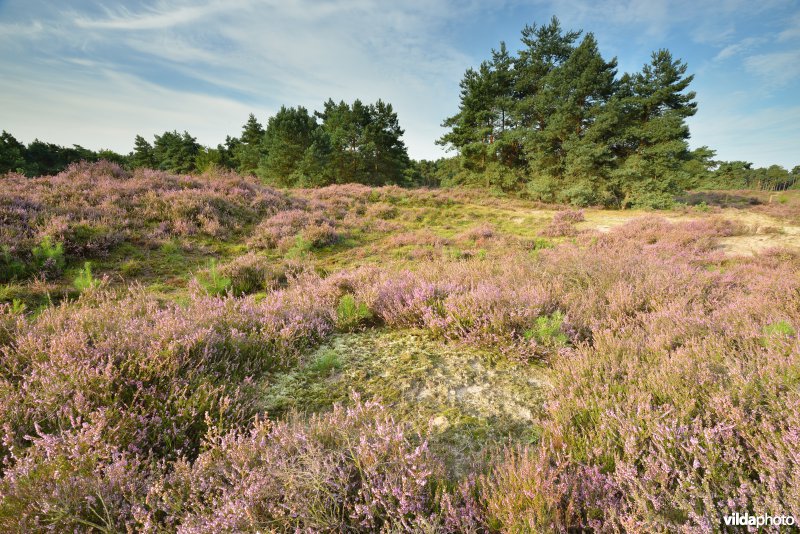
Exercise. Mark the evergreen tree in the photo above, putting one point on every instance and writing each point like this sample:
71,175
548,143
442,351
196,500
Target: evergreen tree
656,106
142,155
208,159
699,168
176,152
249,149
365,143
557,123
568,152
12,154
227,152
384,153
289,158
344,125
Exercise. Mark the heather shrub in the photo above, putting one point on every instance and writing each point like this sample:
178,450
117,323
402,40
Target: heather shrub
480,233
321,235
285,225
532,491
381,210
75,481
352,470
250,273
568,216
672,400
90,208
671,403
561,225
154,369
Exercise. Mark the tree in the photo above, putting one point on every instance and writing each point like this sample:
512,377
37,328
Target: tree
249,149
699,168
142,155
384,152
176,152
42,158
655,108
294,150
556,122
365,143
12,154
208,159
568,149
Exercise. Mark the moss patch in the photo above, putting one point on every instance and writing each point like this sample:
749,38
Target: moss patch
472,399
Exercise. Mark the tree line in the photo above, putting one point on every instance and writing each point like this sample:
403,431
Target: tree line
343,143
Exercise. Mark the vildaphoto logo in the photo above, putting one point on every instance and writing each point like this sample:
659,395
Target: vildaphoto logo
758,520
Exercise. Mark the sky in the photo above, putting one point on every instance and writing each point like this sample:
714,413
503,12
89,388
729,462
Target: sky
98,73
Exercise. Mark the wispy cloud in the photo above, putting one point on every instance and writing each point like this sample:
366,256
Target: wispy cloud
776,68
745,45
159,17
98,73
269,52
792,32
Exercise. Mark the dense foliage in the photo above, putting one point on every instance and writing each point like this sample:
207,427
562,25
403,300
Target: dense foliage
555,121
40,158
358,143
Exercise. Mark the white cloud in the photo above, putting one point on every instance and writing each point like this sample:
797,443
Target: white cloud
776,68
159,17
104,109
738,48
792,32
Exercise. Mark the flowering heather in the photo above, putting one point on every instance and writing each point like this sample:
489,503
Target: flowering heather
673,370
89,208
563,224
284,226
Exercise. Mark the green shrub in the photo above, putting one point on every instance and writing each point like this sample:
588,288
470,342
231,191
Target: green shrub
85,280
300,249
131,268
350,314
548,331
10,268
773,333
213,281
325,363
250,273
48,257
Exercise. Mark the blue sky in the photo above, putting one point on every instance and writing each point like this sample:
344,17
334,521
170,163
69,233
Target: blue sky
98,73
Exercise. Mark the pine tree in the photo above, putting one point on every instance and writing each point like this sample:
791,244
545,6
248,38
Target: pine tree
557,123
654,132
384,152
569,151
174,152
249,150
288,137
12,154
142,155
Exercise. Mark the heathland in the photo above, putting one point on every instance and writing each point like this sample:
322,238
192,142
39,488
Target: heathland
205,353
